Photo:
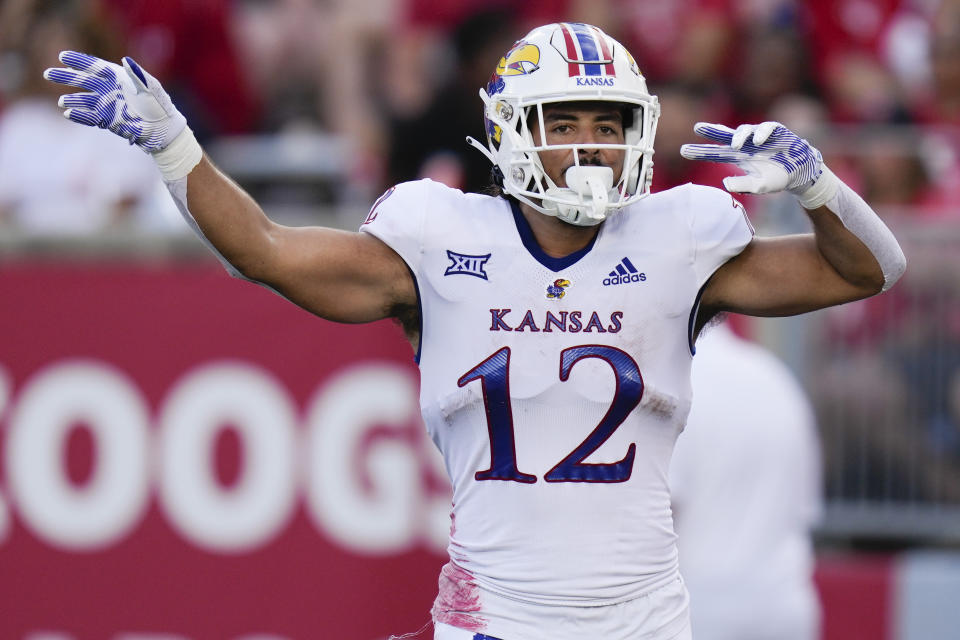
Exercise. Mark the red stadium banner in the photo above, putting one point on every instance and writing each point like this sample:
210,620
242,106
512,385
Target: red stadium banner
186,456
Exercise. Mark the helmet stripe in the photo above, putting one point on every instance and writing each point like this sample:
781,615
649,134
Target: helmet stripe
589,48
605,50
573,68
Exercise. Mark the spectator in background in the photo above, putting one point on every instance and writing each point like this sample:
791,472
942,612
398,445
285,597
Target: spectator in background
887,396
840,28
56,178
189,47
430,143
445,15
746,491
314,66
681,107
686,41
774,66
846,40
859,88
926,354
943,105
892,171
936,100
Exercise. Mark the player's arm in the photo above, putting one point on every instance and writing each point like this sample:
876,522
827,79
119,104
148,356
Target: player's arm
339,275
348,277
788,275
850,255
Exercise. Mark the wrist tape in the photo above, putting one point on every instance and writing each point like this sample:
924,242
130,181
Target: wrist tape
179,157
821,191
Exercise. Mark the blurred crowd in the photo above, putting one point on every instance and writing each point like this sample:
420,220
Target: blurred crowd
386,90
397,80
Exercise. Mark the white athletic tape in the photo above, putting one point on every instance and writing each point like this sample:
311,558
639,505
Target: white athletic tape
821,191
179,157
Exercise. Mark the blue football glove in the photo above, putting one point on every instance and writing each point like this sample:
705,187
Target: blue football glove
773,157
124,99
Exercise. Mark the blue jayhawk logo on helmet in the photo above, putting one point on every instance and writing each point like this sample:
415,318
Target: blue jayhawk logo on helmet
522,59
495,84
558,289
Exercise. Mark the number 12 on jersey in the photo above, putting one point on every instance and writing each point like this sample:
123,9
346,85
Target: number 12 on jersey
494,376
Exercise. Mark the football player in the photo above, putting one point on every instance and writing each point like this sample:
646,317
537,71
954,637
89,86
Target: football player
746,490
554,325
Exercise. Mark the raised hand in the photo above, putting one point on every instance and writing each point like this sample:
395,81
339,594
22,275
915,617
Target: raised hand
773,157
124,99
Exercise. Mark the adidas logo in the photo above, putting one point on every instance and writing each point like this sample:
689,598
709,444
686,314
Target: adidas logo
624,273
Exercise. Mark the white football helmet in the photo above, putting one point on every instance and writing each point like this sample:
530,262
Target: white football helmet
566,62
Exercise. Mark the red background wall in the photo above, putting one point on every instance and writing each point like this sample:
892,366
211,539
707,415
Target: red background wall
154,324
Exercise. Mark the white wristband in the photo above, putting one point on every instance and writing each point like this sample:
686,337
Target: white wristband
179,157
821,191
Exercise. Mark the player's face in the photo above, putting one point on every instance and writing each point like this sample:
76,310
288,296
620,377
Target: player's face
581,123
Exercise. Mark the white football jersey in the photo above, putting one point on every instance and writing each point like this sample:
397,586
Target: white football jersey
555,388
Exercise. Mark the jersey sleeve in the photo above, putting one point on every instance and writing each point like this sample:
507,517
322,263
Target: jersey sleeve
720,229
397,218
